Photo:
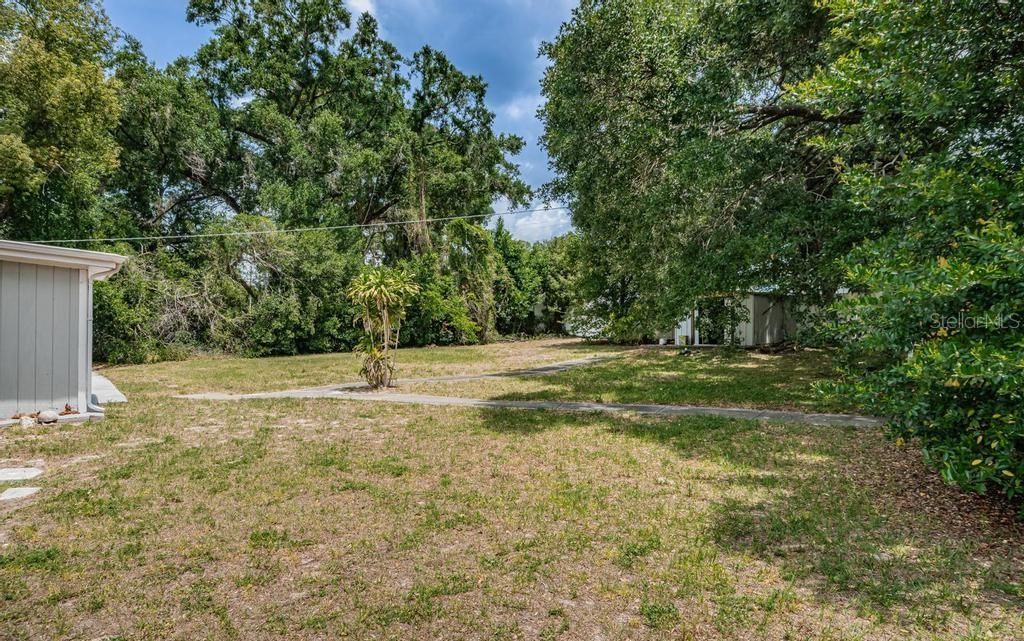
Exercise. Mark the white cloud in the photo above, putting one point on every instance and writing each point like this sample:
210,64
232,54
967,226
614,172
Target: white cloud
521,108
359,7
538,225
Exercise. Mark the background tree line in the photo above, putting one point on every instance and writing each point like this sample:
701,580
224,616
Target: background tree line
874,147
293,115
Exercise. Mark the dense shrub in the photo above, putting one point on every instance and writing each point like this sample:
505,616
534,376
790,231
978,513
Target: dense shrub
148,312
277,294
517,285
938,347
291,288
437,314
932,335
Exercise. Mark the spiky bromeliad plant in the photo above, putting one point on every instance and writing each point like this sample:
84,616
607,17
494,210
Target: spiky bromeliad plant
381,295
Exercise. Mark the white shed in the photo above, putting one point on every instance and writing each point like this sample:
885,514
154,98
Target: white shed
768,321
46,326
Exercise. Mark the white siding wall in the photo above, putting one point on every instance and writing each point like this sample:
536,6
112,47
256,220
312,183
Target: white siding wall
41,329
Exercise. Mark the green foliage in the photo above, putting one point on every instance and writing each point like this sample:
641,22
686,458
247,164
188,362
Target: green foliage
57,110
660,615
517,285
932,336
293,114
470,259
661,125
126,317
868,145
935,338
263,294
718,318
437,314
279,291
380,294
556,262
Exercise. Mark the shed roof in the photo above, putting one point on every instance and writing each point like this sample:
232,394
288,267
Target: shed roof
99,264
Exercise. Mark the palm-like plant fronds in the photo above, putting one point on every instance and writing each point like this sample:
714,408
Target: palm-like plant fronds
381,295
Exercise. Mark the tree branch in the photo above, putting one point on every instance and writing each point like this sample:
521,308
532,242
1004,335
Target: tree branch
204,182
761,115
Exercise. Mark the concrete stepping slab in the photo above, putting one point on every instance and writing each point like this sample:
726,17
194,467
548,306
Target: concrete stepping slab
9,474
14,493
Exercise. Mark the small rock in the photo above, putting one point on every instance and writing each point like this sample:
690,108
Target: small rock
27,421
47,417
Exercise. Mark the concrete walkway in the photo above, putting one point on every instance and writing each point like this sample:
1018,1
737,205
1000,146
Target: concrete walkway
362,392
633,408
782,416
315,392
104,391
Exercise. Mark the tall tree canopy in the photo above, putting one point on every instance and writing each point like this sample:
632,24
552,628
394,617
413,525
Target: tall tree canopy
869,145
676,140
58,108
294,114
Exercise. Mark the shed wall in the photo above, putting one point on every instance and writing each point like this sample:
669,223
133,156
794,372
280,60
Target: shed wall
773,322
41,335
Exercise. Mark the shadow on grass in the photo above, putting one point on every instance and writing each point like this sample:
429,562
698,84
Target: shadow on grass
826,507
707,377
529,422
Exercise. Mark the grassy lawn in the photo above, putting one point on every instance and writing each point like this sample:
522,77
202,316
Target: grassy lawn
321,519
244,375
705,377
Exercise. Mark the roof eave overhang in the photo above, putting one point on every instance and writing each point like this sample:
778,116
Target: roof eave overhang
99,265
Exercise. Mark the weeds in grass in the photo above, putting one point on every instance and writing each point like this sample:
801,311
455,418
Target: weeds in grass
22,558
323,519
637,547
103,501
421,602
660,615
389,465
331,456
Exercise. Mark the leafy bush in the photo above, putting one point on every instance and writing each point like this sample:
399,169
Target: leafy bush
931,335
937,346
145,314
437,314
290,288
517,284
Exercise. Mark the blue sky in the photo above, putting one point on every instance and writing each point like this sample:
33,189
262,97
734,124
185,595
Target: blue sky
497,39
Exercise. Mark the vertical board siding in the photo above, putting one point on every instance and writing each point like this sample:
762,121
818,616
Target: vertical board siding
62,343
8,339
44,338
39,321
76,337
26,337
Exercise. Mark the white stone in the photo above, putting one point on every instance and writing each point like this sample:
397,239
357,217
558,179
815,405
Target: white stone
13,493
8,474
